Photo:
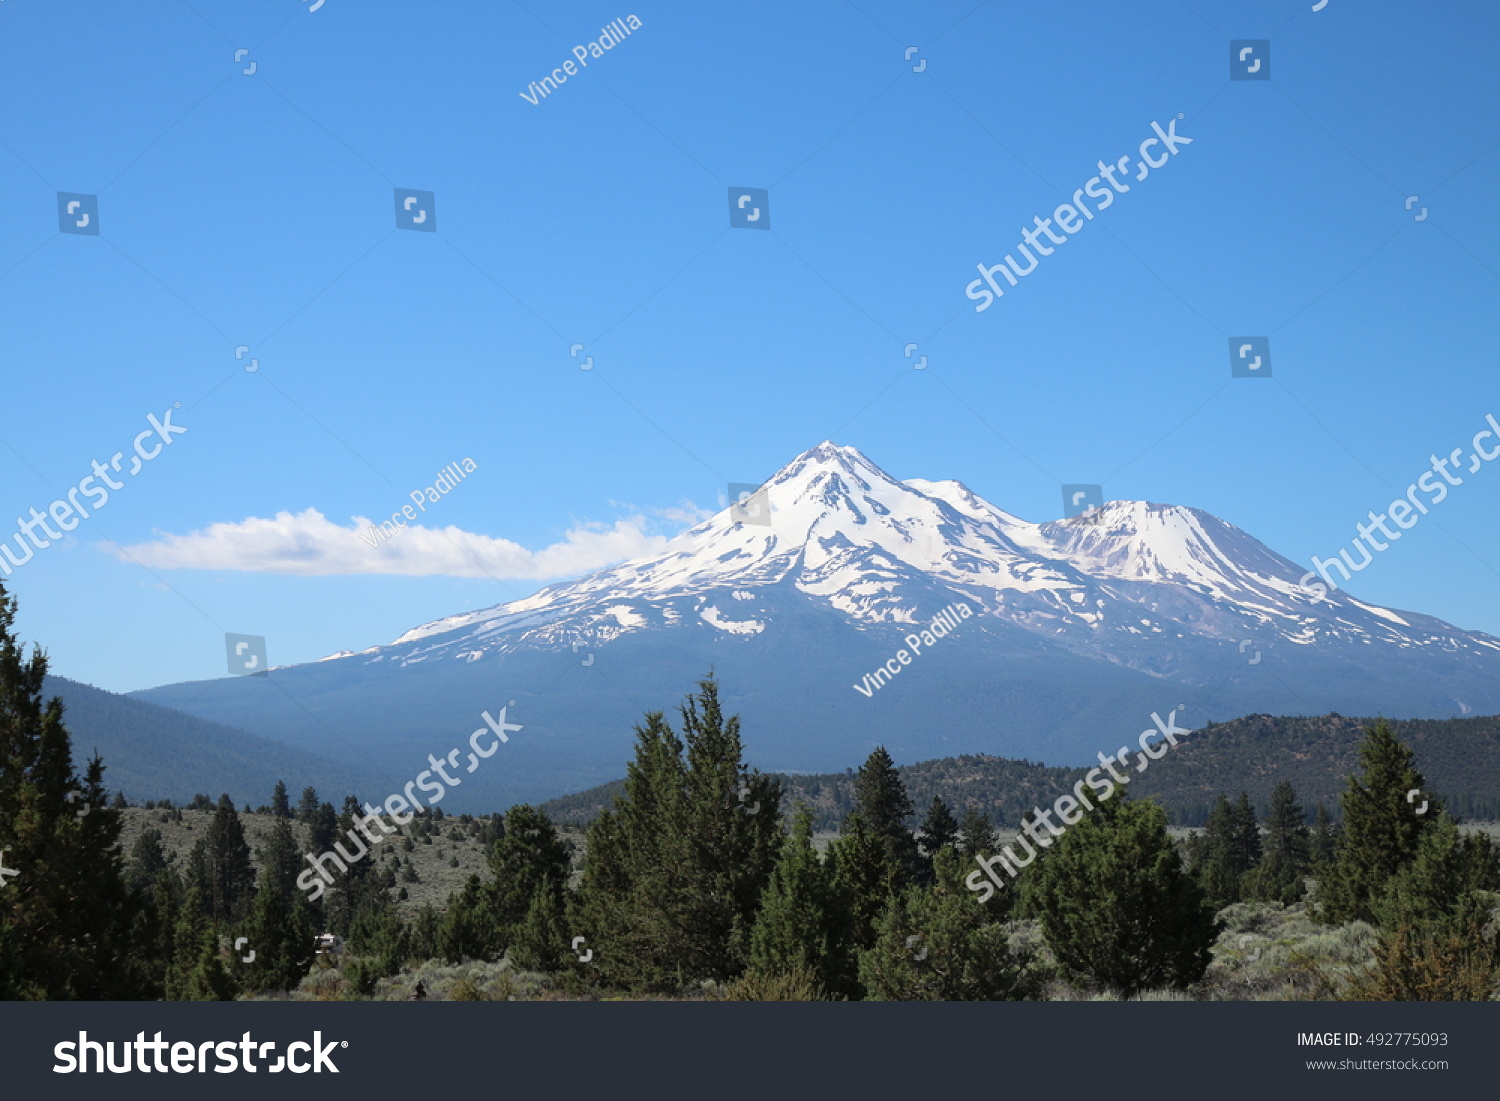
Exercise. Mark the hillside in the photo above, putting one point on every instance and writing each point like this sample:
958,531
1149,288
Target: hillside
423,863
153,752
1459,757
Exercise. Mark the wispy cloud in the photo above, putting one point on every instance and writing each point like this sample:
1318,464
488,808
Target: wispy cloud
308,544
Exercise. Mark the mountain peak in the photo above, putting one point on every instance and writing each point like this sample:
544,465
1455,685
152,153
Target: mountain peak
829,457
841,534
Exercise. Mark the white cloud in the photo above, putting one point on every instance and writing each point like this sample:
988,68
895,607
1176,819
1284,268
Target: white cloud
687,514
310,545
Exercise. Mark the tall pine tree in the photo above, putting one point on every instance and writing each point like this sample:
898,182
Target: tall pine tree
528,859
673,873
221,868
1381,828
1286,857
283,923
66,918
1322,841
872,862
939,828
976,835
794,932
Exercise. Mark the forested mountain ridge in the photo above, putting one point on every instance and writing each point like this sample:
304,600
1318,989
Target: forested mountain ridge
154,752
1460,757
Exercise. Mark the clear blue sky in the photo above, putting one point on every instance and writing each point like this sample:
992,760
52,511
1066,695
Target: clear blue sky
258,210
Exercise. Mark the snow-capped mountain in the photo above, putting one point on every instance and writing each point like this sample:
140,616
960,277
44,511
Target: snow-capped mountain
848,537
1080,629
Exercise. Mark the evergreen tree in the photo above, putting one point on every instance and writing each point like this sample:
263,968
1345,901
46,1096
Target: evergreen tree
197,972
468,928
323,829
976,835
388,942
66,918
1116,906
874,859
865,881
1286,860
793,932
1438,965
1247,850
491,829
1435,943
1212,854
673,874
540,940
1444,884
154,928
307,806
220,866
359,890
158,890
426,932
280,807
148,860
939,828
934,944
283,924
529,858
1381,828
1322,839
631,883
882,804
1227,849
733,822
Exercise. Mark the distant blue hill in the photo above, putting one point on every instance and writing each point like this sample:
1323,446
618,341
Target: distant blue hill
153,752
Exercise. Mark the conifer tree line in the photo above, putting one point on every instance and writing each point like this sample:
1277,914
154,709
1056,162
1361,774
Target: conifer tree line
700,878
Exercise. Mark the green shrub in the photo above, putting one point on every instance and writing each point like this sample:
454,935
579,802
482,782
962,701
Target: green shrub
763,986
